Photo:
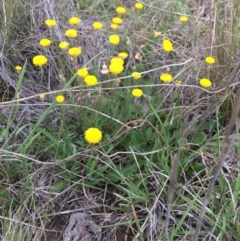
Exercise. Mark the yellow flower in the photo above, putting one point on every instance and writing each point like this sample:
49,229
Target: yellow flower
167,45
123,55
75,51
50,23
178,82
116,68
63,45
114,26
97,25
18,68
90,80
206,83
93,135
114,39
120,10
137,93
71,33
136,75
40,60
183,19
83,72
157,33
117,20
45,42
74,20
116,60
209,60
138,5
60,98
165,77
42,96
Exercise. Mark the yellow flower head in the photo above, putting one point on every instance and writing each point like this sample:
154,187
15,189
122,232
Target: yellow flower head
71,33
93,135
157,33
209,60
97,25
138,6
45,42
40,60
42,96
83,72
167,45
114,26
50,23
117,60
120,10
90,80
74,20
137,93
75,51
165,77
114,39
60,98
63,45
117,20
18,68
205,83
136,75
123,55
183,19
116,68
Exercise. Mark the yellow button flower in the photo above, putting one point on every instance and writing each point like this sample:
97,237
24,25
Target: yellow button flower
165,77
117,60
40,60
138,6
93,135
71,33
90,80
209,60
42,96
60,98
117,20
183,19
157,33
167,45
114,39
123,55
74,20
75,51
45,42
116,68
136,75
114,26
137,93
206,83
18,68
63,45
50,23
120,10
97,25
83,72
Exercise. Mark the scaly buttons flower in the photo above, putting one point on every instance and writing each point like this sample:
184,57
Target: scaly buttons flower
117,20
138,6
18,68
165,77
45,42
116,60
120,10
206,83
183,19
136,75
74,20
167,45
209,60
90,80
137,93
50,23
60,98
93,135
116,68
63,45
71,33
40,60
83,72
97,25
123,55
114,39
75,51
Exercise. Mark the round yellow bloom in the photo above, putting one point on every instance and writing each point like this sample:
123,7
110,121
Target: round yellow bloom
45,42
40,60
116,68
83,72
63,45
165,77
97,25
50,23
167,45
206,83
114,26
71,33
42,96
137,93
120,10
117,60
157,33
75,51
138,5
74,20
60,98
209,60
123,55
117,20
114,39
18,68
136,75
183,19
93,135
90,80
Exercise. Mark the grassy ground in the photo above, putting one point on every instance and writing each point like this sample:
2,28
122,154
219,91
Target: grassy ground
163,163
